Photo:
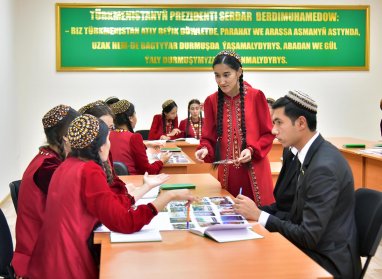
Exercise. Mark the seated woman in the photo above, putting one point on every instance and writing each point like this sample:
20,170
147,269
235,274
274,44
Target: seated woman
165,125
191,127
80,197
128,147
35,184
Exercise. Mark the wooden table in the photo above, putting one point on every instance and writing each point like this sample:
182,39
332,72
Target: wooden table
172,168
366,168
186,255
189,149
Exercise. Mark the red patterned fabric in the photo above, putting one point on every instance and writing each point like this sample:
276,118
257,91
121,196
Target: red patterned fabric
78,198
156,130
256,180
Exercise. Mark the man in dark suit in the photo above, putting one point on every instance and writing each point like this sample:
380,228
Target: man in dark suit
321,221
285,187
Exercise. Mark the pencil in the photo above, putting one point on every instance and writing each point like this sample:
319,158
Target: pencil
188,216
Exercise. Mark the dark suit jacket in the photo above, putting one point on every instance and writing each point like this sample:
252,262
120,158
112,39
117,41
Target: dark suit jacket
285,187
322,219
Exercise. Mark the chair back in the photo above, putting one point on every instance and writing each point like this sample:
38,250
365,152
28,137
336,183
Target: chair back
368,216
14,187
6,251
144,133
120,168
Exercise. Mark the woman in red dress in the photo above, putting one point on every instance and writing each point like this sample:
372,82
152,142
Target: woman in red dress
237,129
35,184
191,127
128,147
165,125
79,198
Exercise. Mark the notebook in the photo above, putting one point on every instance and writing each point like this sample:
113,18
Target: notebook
143,235
227,232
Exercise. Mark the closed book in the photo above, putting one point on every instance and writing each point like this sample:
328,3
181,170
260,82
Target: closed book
354,145
171,149
177,186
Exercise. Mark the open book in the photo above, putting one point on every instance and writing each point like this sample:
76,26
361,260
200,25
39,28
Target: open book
227,232
215,217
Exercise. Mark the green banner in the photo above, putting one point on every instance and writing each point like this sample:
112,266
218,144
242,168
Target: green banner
187,37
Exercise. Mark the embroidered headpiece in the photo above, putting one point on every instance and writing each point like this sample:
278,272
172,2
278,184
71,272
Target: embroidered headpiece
111,100
166,103
55,115
302,100
230,53
83,130
120,106
85,108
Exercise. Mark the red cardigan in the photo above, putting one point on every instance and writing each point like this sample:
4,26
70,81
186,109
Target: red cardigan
156,130
129,149
79,197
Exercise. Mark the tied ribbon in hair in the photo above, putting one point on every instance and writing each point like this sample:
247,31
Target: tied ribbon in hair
83,130
230,53
120,106
85,108
302,100
55,115
166,103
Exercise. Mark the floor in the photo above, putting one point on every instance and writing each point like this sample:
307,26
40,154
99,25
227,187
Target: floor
374,271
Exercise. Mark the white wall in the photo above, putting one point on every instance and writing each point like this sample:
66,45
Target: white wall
9,123
348,101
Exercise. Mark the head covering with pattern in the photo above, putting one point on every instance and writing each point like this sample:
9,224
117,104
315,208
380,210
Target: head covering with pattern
120,107
83,130
230,53
85,108
302,100
166,103
55,115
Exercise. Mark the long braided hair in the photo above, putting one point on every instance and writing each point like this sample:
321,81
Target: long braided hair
167,109
55,134
98,111
91,152
123,118
229,59
193,101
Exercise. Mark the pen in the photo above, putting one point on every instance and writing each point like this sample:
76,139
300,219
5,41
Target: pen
241,190
188,216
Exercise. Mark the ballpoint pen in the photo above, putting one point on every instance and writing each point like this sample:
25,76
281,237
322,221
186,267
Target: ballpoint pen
188,216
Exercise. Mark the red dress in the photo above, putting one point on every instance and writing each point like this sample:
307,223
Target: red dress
129,149
79,197
256,180
156,130
31,206
194,129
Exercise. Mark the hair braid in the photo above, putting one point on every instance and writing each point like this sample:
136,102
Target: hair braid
219,126
242,111
129,126
108,171
164,123
188,123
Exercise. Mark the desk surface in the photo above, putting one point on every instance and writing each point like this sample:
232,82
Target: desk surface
188,255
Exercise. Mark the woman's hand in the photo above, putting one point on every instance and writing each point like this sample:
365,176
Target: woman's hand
155,180
165,156
174,132
245,156
201,154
